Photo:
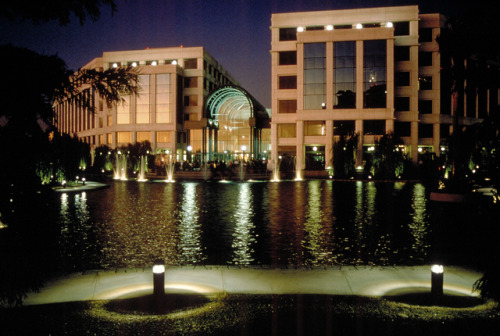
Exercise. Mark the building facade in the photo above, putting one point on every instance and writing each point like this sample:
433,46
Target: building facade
366,71
168,111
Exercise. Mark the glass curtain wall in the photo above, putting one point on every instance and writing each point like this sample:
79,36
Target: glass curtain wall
314,76
344,74
375,73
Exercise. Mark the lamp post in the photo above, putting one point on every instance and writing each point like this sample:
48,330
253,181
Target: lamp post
158,279
437,277
189,149
243,149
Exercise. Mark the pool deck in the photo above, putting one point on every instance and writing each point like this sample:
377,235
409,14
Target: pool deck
346,280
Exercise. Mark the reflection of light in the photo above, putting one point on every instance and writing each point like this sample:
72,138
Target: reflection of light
243,235
189,227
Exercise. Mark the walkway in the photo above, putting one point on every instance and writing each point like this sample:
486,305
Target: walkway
363,281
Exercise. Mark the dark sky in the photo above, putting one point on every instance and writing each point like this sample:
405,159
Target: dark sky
235,32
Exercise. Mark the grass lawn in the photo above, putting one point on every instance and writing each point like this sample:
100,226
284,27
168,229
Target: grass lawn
255,315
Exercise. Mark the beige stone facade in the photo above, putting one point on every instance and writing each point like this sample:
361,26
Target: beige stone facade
168,111
407,63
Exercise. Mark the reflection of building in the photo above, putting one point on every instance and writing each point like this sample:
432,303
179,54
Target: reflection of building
368,71
169,110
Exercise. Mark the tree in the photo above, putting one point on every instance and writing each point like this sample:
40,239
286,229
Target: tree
60,10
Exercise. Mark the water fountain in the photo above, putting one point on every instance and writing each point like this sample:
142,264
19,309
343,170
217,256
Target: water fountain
170,168
276,170
120,167
142,169
205,171
241,171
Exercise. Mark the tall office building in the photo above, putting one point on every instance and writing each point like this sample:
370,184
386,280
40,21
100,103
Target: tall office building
368,71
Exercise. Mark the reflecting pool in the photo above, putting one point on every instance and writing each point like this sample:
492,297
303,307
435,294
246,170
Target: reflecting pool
306,223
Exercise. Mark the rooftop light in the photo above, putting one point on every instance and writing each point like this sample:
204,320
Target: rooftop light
329,27
300,29
359,26
389,25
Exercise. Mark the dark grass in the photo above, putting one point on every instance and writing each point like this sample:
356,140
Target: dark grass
251,315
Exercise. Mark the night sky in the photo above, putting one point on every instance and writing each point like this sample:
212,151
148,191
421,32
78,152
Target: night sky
235,32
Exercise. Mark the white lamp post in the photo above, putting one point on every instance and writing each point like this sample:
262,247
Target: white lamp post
437,278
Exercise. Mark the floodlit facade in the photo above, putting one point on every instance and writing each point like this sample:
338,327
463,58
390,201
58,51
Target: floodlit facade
368,71
169,110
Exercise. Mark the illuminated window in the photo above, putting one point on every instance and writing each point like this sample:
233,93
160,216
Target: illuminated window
287,106
287,130
101,139
109,120
163,106
142,101
143,136
164,136
312,128
123,137
123,111
196,139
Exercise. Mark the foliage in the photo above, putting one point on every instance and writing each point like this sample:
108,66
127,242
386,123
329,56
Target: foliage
344,155
60,10
388,160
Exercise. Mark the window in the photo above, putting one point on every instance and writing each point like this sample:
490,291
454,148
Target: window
401,53
190,82
165,136
401,28
109,138
123,137
344,74
143,136
142,101
402,103
343,27
287,82
287,106
123,111
344,127
402,129
314,76
191,100
288,34
425,106
191,63
444,131
374,127
425,82
163,106
402,78
425,130
287,58
425,35
375,73
312,128
109,120
425,58
287,130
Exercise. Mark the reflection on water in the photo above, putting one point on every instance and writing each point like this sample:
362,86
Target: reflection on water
306,223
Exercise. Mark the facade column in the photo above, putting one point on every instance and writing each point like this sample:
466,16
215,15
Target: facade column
329,144
414,142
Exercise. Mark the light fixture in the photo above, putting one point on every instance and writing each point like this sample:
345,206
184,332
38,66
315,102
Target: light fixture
300,29
329,27
359,26
154,63
315,148
437,277
115,65
174,62
158,278
134,64
389,25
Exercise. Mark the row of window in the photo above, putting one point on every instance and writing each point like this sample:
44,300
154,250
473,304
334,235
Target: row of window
370,127
400,29
189,63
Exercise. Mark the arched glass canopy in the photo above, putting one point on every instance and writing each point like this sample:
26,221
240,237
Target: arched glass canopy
238,120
